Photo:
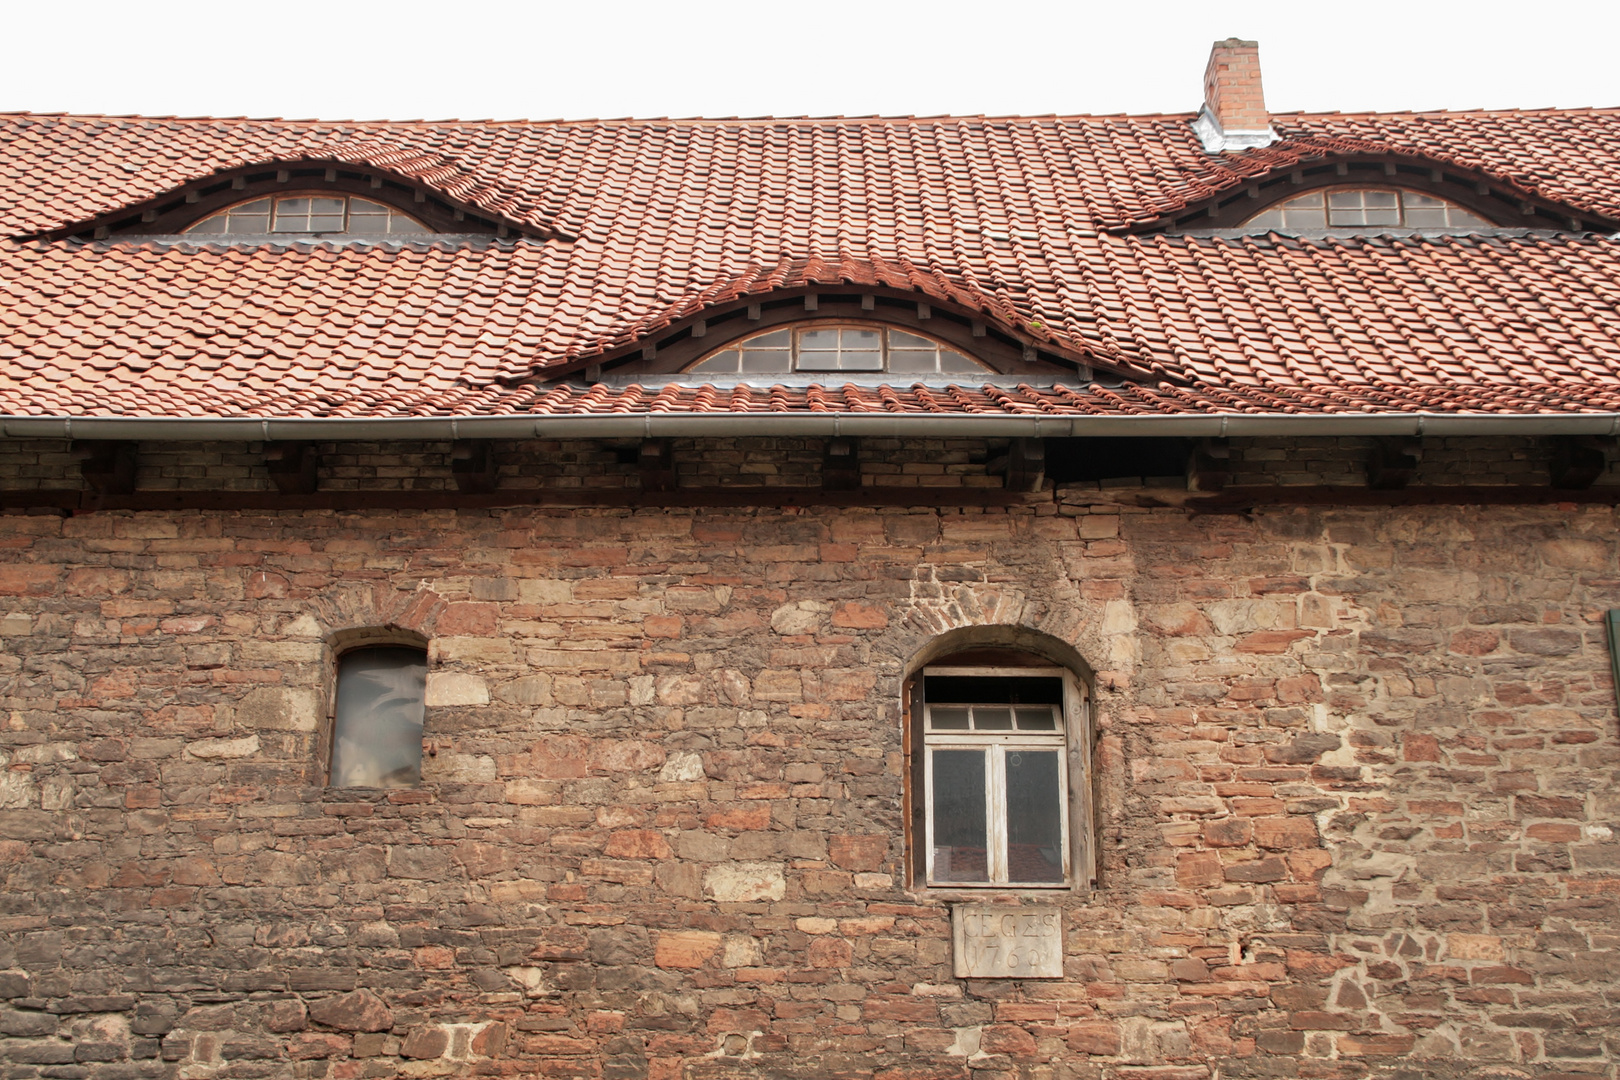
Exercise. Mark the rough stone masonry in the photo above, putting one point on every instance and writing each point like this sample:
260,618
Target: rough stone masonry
1356,771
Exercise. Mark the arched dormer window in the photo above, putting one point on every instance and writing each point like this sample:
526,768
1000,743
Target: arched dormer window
838,347
1360,208
317,214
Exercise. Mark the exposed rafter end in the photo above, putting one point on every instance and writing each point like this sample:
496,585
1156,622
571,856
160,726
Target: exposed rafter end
1209,466
656,463
1393,463
294,467
840,465
1578,460
108,468
473,464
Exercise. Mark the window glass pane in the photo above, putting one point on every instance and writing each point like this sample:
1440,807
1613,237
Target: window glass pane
1311,201
377,734
252,217
1034,816
899,339
1413,198
948,719
1383,199
840,361
213,225
326,206
818,339
399,223
992,719
779,339
1426,217
1355,216
857,338
1269,219
912,361
819,361
326,223
956,362
1456,216
959,819
1344,200
719,363
1036,720
766,360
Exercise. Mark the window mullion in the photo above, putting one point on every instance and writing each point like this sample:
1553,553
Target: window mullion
996,800
928,801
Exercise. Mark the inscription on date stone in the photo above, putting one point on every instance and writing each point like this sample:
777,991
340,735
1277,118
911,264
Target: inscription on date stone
1007,942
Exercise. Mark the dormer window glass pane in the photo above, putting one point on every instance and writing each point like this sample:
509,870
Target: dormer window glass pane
833,348
1361,208
321,215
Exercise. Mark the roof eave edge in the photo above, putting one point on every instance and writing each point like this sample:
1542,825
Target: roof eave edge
688,425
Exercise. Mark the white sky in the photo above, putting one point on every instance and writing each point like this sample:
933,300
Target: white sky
408,60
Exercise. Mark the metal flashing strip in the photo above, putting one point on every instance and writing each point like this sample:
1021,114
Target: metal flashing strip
728,424
1215,139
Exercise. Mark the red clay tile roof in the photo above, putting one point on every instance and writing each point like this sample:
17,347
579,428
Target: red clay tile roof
1008,217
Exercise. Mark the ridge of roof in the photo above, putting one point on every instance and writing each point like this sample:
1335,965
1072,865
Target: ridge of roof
878,118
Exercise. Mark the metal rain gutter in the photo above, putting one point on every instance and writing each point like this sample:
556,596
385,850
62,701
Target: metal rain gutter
879,425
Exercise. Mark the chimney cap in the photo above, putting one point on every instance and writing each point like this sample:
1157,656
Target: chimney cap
1234,115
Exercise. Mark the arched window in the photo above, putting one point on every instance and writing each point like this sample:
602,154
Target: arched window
838,347
1355,208
1000,779
322,215
377,719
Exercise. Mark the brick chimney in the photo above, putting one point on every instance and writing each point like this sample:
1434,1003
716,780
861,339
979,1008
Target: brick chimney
1234,115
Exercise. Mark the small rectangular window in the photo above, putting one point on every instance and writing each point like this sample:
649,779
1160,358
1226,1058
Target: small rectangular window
995,777
377,722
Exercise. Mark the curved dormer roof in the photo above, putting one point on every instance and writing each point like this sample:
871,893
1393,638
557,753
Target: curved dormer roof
625,235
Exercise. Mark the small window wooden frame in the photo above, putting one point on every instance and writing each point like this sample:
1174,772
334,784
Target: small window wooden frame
340,646
1070,737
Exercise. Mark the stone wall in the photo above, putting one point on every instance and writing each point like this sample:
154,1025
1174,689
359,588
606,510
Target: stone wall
1357,771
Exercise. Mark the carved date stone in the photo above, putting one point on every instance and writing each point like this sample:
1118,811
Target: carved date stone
1007,942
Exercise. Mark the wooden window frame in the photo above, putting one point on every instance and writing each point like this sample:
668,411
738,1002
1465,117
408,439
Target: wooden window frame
1326,193
339,646
1076,781
795,330
275,199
